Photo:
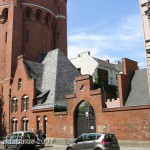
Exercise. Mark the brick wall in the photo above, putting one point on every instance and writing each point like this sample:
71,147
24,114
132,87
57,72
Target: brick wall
41,38
131,123
129,67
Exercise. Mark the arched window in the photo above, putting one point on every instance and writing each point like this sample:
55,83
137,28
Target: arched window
45,119
14,104
25,124
38,15
5,14
28,13
58,10
38,123
19,83
47,19
25,103
14,125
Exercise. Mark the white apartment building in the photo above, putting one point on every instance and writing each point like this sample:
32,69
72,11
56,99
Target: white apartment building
87,64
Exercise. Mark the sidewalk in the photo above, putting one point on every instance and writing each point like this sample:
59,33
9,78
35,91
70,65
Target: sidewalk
122,143
139,144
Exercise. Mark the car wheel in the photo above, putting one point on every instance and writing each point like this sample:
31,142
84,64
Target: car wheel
69,148
98,149
33,148
42,145
18,147
5,146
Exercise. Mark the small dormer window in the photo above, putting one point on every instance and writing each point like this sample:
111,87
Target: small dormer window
39,101
19,83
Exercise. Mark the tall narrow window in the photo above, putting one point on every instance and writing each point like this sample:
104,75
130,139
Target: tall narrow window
47,19
38,123
58,34
25,103
25,124
38,15
14,125
27,36
6,37
14,105
59,12
19,83
5,14
45,125
28,14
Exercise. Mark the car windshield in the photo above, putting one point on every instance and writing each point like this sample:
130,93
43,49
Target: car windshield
81,138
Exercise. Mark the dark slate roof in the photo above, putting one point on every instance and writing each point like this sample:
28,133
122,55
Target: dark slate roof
56,74
139,94
35,71
102,63
42,94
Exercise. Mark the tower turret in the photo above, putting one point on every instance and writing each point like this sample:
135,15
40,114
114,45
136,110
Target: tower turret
30,28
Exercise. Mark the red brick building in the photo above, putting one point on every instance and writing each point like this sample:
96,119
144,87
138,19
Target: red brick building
34,86
29,28
86,108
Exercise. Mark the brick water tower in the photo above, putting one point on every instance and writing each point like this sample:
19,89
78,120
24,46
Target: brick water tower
30,28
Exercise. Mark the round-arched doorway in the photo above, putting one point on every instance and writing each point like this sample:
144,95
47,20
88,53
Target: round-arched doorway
84,119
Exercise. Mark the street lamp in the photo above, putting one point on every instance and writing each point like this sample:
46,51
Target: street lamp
87,116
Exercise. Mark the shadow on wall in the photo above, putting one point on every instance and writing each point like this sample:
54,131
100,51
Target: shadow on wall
2,119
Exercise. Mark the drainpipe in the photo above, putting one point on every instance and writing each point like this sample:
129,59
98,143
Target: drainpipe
9,97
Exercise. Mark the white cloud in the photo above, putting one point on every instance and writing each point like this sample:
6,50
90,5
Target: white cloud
125,40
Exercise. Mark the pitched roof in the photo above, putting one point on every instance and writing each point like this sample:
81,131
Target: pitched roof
55,73
35,71
139,94
102,63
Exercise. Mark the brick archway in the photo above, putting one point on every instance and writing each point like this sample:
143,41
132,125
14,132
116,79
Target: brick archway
84,92
84,119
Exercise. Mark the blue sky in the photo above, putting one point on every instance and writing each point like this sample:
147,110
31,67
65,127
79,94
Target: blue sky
109,29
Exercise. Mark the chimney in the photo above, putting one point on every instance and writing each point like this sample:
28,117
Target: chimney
107,60
117,62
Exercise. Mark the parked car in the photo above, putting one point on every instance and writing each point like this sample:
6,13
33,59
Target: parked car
18,140
95,141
